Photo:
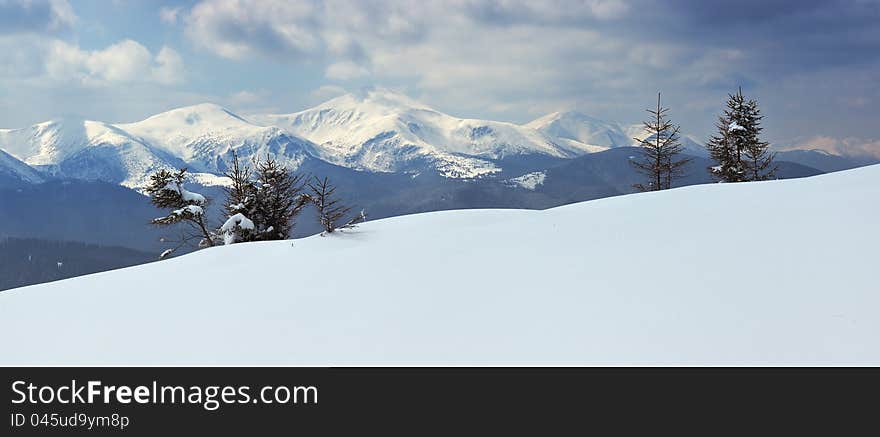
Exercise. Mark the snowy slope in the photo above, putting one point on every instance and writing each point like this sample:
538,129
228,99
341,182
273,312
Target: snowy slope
13,169
381,130
638,279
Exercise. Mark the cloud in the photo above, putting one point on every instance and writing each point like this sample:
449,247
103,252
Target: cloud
235,28
479,50
245,97
850,146
518,59
169,15
35,16
168,67
349,30
514,59
345,70
327,92
124,62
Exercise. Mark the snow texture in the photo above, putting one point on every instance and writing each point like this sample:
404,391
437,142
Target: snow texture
529,181
192,209
186,195
560,286
734,126
237,220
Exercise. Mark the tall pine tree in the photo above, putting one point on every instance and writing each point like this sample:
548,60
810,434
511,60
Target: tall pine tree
660,162
739,153
757,157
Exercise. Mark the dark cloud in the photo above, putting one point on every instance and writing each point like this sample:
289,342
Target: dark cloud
779,35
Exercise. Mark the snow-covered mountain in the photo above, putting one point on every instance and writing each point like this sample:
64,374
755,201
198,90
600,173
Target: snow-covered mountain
13,170
529,287
85,149
204,136
374,130
580,129
381,130
200,137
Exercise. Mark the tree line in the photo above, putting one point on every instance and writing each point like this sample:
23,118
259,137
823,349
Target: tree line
737,149
262,202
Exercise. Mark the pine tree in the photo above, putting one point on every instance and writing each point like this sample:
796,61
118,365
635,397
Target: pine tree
241,197
758,159
737,149
278,200
660,149
167,192
330,212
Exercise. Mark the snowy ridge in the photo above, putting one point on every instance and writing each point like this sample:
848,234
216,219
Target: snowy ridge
529,287
17,170
374,130
381,130
582,129
85,149
200,137
205,135
596,135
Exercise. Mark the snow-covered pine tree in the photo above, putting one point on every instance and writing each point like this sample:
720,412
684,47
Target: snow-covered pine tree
330,213
241,196
278,200
737,149
660,162
166,191
757,157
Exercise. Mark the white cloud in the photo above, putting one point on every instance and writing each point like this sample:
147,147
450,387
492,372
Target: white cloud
481,51
245,97
124,62
345,70
235,29
327,92
168,68
169,15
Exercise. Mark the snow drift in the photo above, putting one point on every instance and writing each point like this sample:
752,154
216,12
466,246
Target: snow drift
780,272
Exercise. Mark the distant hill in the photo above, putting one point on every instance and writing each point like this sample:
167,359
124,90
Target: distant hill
31,261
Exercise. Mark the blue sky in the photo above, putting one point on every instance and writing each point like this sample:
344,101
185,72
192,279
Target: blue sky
812,64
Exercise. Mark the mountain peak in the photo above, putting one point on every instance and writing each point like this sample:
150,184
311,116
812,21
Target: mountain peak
377,98
567,116
202,113
581,128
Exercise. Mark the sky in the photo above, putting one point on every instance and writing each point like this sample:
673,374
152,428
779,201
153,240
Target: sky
813,65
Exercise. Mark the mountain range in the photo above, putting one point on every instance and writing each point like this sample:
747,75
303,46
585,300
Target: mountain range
386,152
373,130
